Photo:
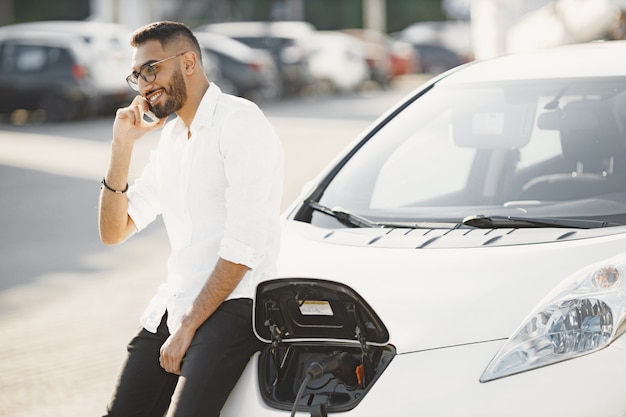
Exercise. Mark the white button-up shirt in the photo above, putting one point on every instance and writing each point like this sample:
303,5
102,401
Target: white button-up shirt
219,194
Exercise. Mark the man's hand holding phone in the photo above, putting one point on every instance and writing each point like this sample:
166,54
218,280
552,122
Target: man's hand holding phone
130,123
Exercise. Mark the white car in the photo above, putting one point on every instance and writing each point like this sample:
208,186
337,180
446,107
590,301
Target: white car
465,256
337,62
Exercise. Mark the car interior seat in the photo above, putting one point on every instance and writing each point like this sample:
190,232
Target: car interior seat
592,150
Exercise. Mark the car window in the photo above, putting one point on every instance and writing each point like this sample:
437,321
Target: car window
27,58
30,58
265,42
399,183
506,146
33,58
5,62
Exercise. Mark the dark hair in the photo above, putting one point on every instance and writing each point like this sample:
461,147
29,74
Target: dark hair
167,33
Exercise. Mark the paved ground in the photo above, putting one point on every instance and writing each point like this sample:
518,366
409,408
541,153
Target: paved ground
50,362
63,337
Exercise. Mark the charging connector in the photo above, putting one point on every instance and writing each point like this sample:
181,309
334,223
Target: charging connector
341,365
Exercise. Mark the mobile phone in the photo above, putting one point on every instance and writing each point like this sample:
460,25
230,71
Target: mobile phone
150,117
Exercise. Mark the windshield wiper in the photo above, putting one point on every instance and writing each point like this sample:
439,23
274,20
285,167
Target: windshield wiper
494,222
355,220
344,216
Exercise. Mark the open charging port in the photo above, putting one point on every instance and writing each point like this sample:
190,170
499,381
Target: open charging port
326,347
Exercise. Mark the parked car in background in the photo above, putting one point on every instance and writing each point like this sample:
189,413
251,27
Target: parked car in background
464,256
46,71
211,66
435,59
454,35
378,51
337,62
287,42
439,45
108,51
404,58
243,71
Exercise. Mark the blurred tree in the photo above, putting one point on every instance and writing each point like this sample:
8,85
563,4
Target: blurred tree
196,12
401,13
32,10
324,14
333,14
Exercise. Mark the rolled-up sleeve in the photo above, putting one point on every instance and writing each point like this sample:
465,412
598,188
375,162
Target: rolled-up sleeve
253,166
143,198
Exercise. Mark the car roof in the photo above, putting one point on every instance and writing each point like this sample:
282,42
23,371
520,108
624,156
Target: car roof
41,37
223,44
87,30
593,59
330,38
230,47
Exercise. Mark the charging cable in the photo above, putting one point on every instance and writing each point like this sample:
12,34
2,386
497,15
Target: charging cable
340,364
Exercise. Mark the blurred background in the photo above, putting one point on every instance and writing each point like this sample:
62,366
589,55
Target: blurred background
322,71
67,59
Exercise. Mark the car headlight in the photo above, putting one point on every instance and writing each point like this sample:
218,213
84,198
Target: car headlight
579,317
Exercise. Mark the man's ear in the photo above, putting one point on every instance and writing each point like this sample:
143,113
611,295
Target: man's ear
190,61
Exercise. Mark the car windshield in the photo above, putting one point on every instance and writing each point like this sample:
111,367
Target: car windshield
551,149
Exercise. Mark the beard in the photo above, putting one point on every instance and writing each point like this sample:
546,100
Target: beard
176,97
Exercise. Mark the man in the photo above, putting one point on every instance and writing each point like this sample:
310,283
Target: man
216,179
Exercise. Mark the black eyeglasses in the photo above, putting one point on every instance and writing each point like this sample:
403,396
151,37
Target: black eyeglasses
147,72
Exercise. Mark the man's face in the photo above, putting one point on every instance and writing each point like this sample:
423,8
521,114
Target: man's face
172,97
167,93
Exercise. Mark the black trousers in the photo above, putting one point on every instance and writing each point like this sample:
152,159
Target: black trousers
214,362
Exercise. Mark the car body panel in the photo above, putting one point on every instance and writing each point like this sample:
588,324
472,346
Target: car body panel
456,280
102,48
472,281
46,71
444,383
545,64
338,60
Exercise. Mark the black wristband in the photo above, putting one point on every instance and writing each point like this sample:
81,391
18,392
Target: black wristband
104,183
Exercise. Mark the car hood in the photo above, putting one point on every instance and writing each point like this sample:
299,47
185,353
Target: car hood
437,288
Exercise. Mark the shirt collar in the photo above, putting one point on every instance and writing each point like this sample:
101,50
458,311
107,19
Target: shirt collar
205,112
206,109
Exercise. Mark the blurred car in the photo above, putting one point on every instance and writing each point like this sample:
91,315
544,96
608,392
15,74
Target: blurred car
109,55
404,58
435,59
337,62
243,71
46,71
464,256
439,45
455,35
378,50
287,42
212,69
